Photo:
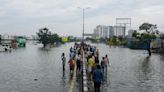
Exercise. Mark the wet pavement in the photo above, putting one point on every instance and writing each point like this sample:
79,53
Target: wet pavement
33,69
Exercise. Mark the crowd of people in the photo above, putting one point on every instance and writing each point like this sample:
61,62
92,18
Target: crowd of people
95,68
75,57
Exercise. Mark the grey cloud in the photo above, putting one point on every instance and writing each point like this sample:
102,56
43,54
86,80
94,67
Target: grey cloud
63,15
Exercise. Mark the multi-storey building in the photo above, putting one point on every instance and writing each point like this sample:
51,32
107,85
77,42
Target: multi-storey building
109,31
119,31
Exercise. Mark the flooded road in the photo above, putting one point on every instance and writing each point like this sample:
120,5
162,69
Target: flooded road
33,69
133,70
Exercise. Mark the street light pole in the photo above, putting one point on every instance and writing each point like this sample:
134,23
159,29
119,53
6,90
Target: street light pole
83,24
83,19
84,63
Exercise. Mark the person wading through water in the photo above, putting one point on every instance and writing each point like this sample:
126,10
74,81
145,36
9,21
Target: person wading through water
97,78
106,62
71,65
78,62
63,60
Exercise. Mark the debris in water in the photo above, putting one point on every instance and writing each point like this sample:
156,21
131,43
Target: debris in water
35,79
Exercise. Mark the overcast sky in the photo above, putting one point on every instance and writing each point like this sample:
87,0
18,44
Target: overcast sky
25,17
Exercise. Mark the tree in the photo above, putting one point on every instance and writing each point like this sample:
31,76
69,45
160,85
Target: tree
120,38
115,41
150,29
54,38
135,34
44,36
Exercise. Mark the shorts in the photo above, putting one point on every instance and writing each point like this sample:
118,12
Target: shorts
89,69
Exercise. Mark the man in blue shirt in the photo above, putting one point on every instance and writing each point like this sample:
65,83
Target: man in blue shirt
97,78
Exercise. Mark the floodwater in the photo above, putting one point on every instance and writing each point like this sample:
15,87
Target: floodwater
133,70
33,69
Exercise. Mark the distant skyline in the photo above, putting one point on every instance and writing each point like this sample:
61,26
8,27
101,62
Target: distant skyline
26,17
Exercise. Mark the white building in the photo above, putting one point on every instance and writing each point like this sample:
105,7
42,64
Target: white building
7,37
119,31
102,31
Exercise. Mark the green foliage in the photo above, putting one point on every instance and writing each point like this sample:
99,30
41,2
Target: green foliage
148,36
46,37
149,28
124,42
54,38
153,36
145,26
92,40
117,41
135,34
71,39
120,38
113,41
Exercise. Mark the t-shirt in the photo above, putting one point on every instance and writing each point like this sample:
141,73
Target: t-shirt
106,61
78,60
71,63
72,54
102,63
97,76
78,57
63,59
90,62
96,60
